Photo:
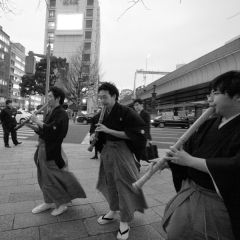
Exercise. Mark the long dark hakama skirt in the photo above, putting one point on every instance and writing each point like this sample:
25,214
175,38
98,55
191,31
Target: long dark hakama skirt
117,173
59,186
196,213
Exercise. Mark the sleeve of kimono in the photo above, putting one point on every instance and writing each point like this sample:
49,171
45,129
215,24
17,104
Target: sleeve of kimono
225,173
58,125
135,128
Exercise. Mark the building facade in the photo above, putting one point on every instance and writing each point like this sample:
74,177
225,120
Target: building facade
74,24
4,66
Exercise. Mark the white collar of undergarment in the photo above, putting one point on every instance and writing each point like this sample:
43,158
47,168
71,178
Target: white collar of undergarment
224,120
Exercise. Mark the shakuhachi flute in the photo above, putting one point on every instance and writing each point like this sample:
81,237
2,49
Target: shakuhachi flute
28,120
96,134
138,185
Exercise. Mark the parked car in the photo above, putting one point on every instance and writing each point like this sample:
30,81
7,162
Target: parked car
171,121
22,115
85,119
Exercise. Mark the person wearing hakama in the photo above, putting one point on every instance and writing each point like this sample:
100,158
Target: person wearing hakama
206,171
123,135
59,186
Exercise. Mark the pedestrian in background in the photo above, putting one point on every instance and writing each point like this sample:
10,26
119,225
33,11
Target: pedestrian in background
94,121
9,122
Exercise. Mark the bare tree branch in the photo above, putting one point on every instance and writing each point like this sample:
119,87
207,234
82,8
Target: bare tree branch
234,15
134,2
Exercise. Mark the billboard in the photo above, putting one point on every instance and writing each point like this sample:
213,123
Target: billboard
69,24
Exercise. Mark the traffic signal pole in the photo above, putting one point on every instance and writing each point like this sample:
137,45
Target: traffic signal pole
47,56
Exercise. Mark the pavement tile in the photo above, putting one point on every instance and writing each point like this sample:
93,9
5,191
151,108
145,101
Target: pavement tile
158,227
145,233
33,170
12,182
108,236
21,207
94,228
21,234
4,198
25,196
159,209
17,176
6,222
24,220
151,202
8,171
77,212
66,230
7,208
25,181
100,208
162,198
143,219
91,198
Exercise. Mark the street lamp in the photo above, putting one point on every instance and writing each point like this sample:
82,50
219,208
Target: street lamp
145,75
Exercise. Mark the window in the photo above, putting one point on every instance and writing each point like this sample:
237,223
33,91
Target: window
50,35
51,25
86,68
86,57
89,12
52,14
87,46
12,70
12,62
52,3
90,2
89,23
88,35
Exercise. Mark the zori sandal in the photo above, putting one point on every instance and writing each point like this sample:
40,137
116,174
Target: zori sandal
102,220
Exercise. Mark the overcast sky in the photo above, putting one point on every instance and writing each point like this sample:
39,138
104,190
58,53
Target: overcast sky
170,32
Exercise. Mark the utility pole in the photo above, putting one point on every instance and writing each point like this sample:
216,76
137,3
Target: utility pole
30,69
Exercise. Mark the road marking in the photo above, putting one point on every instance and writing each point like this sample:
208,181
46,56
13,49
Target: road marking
167,137
19,137
163,134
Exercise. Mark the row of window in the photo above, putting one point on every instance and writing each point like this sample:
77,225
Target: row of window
2,82
4,48
4,39
53,2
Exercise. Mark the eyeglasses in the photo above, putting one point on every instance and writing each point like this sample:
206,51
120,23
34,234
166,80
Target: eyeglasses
213,94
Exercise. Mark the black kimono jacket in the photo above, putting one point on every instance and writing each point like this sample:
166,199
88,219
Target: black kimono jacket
221,149
54,130
122,118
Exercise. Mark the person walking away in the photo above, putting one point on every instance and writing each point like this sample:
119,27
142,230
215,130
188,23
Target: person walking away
59,186
206,172
8,124
123,139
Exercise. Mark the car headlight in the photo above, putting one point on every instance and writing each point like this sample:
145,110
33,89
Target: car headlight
151,121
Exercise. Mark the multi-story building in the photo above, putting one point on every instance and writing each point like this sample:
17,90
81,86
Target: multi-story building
4,66
71,24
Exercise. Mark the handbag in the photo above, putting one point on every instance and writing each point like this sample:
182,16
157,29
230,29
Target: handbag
150,153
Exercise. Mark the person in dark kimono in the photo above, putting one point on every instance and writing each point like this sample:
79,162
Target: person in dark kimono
9,122
138,106
206,172
123,134
59,186
91,131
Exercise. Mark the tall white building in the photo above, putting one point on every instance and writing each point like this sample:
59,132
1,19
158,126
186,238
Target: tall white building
71,24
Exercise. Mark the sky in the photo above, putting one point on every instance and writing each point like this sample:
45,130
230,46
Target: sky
169,32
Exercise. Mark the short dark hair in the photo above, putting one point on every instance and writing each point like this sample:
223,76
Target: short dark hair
138,100
8,101
58,92
110,87
228,82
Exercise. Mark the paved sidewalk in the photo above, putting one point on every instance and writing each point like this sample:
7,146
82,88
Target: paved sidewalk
20,193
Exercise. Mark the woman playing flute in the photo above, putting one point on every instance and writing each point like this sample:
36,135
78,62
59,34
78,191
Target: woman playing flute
59,186
123,134
206,172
